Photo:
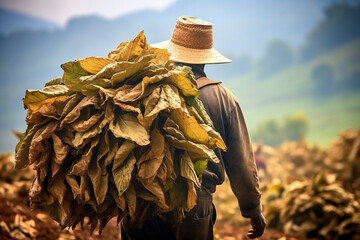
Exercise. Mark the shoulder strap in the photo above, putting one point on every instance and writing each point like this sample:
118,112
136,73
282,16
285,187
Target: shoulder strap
203,81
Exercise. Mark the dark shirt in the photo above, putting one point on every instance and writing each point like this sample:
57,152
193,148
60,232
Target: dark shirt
238,161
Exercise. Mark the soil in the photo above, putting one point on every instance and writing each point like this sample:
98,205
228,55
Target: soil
48,229
227,231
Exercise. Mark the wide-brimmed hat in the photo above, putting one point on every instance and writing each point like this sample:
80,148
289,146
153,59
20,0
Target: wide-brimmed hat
192,42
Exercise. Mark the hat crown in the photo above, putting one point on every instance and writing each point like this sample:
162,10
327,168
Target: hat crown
193,33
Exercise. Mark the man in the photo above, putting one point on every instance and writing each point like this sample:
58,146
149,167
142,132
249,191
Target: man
191,44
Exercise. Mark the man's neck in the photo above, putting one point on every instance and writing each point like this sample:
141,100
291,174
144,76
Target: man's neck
197,69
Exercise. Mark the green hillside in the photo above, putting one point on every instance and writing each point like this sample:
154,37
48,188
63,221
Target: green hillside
292,90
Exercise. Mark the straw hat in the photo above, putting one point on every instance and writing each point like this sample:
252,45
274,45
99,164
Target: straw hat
192,42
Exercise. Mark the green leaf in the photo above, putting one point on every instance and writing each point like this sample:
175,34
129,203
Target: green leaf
200,166
54,81
72,73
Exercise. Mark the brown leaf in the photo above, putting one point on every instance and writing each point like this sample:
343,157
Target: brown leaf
44,133
75,112
60,149
82,125
191,196
82,165
119,199
122,153
130,197
187,169
198,150
99,179
122,174
150,162
127,126
155,188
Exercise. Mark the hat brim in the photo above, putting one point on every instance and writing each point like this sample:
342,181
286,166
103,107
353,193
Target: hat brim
190,55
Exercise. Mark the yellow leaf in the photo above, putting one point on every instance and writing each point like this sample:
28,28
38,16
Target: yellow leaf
215,138
162,55
191,198
181,81
134,48
189,126
94,64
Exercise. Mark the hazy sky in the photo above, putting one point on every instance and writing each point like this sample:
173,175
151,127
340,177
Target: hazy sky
60,11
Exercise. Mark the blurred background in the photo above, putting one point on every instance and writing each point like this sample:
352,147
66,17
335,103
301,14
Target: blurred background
296,64
295,72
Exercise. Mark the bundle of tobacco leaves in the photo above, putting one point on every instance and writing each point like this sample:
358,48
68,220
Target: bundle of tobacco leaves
344,158
115,135
317,207
14,183
296,159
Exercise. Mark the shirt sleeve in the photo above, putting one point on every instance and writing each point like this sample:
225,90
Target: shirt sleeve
240,164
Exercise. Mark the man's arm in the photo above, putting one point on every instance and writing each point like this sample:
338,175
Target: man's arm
241,169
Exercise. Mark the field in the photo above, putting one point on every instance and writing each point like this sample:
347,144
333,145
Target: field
300,200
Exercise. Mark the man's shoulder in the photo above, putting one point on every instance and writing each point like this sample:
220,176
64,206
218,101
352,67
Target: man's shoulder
203,82
208,85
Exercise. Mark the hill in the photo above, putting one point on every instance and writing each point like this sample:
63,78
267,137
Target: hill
11,21
294,89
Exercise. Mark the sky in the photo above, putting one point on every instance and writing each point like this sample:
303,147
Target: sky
60,11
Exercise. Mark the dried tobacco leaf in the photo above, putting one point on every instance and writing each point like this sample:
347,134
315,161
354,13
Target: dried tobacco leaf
94,64
115,135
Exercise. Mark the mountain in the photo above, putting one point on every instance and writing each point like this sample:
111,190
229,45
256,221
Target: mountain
11,21
242,29
295,89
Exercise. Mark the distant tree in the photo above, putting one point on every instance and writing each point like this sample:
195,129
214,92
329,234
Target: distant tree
323,76
269,132
351,82
295,126
340,26
278,56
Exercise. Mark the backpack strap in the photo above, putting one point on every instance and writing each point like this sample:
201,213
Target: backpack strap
203,81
